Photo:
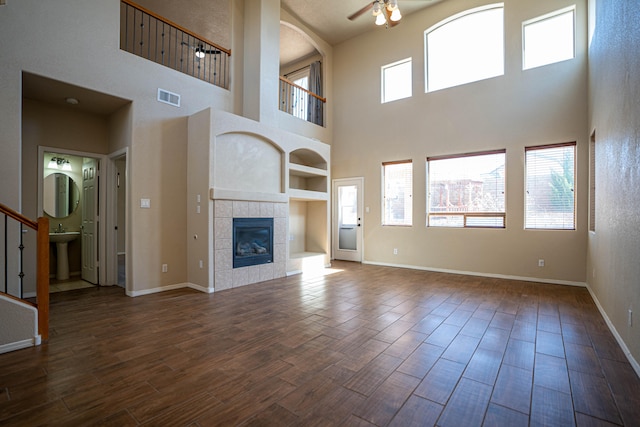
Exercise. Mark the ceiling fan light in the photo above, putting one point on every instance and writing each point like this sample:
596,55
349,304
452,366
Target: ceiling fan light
395,15
200,53
392,5
380,19
376,9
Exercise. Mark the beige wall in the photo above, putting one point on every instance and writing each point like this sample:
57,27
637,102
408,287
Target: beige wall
77,42
613,270
520,108
210,19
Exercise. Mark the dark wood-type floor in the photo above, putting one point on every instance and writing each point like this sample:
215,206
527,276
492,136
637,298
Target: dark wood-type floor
364,346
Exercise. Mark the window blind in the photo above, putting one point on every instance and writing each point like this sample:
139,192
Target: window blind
550,193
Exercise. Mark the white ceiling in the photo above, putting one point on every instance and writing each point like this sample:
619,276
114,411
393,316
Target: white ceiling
328,19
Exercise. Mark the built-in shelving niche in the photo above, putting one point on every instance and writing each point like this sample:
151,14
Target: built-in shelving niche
308,210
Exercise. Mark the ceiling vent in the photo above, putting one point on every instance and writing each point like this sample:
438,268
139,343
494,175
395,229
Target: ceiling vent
168,97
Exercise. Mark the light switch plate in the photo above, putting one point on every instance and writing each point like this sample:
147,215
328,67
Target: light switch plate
145,203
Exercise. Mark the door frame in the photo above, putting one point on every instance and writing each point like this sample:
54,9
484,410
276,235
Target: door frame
334,215
110,181
102,199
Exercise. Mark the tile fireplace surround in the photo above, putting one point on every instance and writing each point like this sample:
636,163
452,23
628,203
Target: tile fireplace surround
227,277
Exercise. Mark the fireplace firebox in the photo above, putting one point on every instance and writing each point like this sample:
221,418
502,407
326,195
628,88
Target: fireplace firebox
252,241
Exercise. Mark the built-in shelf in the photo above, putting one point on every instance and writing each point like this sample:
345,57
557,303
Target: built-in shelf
307,195
307,172
308,192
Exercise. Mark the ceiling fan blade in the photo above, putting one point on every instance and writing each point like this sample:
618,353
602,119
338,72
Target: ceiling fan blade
361,11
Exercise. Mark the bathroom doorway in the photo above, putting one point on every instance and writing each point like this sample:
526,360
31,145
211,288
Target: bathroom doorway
70,190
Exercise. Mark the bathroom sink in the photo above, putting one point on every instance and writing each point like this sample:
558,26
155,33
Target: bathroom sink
61,240
63,237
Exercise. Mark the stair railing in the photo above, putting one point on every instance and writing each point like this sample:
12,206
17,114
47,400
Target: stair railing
41,226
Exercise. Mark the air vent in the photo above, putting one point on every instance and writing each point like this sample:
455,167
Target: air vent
168,97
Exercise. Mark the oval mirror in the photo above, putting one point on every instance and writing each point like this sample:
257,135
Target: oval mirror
61,195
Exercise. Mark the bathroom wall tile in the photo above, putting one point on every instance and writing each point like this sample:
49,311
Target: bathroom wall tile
223,280
223,209
240,209
254,209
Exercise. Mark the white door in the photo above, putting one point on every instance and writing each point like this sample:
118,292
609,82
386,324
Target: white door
90,182
347,219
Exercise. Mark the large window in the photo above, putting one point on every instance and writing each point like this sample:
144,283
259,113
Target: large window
550,195
397,180
465,48
466,190
396,80
549,38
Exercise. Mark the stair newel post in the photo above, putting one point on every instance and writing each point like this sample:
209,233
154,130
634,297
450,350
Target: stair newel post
42,286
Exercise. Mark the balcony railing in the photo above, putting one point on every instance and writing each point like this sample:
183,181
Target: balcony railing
157,39
301,103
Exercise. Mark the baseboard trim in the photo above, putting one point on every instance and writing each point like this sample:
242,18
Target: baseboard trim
19,345
475,273
169,288
200,288
616,335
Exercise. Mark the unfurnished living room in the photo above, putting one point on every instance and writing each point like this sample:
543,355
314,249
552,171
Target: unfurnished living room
346,212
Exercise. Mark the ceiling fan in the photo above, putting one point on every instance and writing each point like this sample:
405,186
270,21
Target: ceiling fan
200,50
385,12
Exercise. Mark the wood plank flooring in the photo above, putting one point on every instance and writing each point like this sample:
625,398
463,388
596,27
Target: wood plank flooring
362,346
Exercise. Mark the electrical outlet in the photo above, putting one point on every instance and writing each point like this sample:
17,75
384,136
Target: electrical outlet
165,268
395,251
540,262
630,318
201,264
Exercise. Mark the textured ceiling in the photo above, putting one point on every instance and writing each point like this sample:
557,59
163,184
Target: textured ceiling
328,18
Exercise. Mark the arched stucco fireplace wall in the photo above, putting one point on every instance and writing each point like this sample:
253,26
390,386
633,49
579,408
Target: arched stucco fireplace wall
239,168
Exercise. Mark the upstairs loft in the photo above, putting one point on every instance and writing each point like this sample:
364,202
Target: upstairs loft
151,36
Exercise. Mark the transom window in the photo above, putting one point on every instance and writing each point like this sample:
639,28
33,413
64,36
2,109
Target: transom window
396,80
549,38
465,48
466,190
397,185
550,195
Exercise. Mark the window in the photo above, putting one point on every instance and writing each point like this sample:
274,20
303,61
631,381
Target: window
396,80
550,195
549,38
466,190
465,48
397,185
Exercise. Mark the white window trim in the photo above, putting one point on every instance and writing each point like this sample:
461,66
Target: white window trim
543,18
445,22
382,79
